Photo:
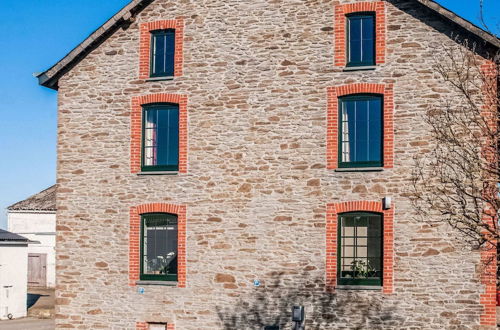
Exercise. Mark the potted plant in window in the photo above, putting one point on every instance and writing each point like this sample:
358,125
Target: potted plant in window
362,269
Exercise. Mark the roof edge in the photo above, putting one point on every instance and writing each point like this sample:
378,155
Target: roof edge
49,78
469,26
14,208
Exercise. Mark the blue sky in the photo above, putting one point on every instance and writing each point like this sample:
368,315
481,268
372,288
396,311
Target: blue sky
35,35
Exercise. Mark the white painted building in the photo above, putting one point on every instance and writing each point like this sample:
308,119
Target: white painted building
35,219
13,275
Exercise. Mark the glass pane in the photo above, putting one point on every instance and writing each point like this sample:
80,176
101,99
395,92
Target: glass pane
375,226
368,50
168,136
349,251
159,54
368,27
347,262
348,131
354,39
169,53
375,129
361,131
160,244
361,224
368,40
361,252
150,137
346,241
163,50
348,231
348,222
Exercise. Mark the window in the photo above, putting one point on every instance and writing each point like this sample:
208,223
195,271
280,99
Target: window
159,247
360,249
162,53
157,326
360,133
160,137
360,39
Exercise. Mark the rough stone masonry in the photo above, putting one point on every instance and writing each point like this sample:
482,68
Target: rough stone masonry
256,75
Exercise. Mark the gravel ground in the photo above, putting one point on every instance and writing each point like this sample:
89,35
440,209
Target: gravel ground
27,324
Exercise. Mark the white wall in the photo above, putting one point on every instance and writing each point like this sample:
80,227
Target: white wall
37,227
14,275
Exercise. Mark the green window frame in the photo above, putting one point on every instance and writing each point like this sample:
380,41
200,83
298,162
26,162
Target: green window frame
162,53
159,247
160,137
361,131
360,249
361,39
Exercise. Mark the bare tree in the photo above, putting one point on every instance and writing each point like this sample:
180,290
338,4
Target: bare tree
456,181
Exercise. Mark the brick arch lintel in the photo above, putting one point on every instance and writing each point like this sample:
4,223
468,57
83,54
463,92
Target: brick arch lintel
367,206
160,208
161,98
360,88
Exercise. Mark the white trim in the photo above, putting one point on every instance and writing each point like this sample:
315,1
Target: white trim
32,211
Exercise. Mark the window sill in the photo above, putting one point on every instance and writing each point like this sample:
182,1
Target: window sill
160,283
159,173
359,287
160,78
359,169
360,68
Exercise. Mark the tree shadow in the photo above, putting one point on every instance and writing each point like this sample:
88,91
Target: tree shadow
271,304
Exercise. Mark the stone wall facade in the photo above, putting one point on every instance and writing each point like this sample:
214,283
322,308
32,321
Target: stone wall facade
257,184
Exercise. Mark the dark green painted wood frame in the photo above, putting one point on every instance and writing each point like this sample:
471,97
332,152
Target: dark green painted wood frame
359,281
365,63
155,168
151,277
360,164
151,55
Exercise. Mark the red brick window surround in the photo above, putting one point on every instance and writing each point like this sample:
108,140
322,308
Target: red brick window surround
377,7
386,91
145,326
488,271
136,127
333,210
135,240
145,45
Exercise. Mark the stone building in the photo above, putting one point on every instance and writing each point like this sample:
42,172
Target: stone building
222,160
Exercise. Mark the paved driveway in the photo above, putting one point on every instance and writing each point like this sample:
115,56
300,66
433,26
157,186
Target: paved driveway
27,324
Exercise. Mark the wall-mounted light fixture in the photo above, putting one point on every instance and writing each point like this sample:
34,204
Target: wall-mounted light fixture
387,202
298,316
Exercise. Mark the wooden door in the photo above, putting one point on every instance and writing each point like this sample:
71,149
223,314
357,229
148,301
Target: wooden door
37,269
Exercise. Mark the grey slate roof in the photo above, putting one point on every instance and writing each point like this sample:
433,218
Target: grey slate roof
125,16
45,200
8,236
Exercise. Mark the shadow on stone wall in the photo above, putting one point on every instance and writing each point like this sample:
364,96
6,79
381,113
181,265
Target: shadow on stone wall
271,304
